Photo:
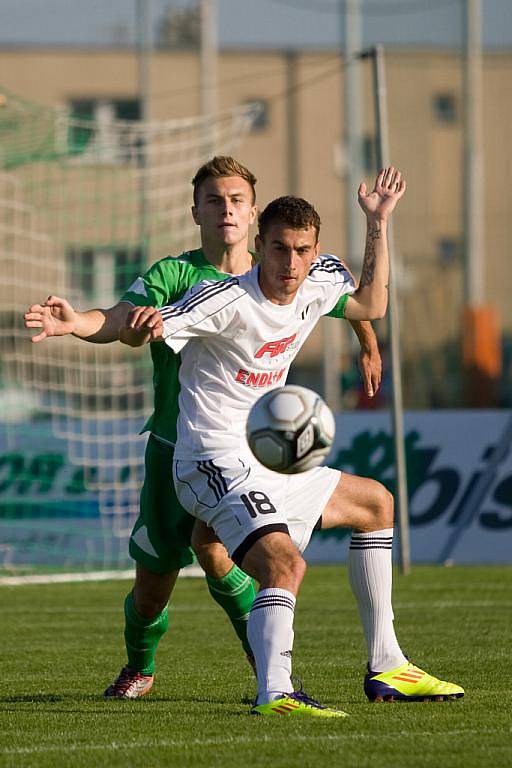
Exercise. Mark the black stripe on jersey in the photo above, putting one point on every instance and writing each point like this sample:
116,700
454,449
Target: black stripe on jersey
193,301
330,271
328,264
215,482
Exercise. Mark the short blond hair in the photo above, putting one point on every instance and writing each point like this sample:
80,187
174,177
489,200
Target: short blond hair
222,166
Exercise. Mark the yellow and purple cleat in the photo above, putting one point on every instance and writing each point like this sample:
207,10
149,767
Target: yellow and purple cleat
409,683
296,703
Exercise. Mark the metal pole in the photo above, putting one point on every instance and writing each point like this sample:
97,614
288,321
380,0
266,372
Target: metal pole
292,123
473,154
209,62
352,121
144,47
393,326
350,42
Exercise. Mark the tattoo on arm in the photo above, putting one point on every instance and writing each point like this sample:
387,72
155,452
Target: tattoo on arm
368,270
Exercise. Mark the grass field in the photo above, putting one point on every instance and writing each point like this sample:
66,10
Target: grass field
61,645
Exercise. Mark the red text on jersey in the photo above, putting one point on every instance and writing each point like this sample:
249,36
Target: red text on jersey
274,348
255,379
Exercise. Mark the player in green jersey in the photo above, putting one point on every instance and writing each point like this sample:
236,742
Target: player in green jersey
224,208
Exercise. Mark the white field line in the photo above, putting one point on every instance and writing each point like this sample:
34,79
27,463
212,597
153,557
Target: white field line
189,571
452,604
491,604
66,578
78,611
256,739
211,608
463,585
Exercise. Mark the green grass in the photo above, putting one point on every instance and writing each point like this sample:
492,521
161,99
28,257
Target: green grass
61,646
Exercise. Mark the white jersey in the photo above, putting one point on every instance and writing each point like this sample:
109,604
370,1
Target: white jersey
236,345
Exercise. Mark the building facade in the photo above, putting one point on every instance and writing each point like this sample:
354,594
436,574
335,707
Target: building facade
295,146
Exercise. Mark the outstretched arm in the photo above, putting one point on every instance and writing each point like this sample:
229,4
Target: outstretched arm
56,317
369,302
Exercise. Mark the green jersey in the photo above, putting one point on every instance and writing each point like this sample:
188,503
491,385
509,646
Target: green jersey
164,283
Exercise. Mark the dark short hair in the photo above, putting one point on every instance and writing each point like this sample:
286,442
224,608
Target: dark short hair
292,211
222,166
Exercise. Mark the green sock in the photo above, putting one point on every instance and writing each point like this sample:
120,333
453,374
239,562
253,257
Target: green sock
142,637
235,592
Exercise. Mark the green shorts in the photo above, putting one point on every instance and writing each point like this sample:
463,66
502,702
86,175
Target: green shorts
160,539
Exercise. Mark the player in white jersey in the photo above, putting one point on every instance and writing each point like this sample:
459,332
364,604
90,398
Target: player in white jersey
251,345
238,340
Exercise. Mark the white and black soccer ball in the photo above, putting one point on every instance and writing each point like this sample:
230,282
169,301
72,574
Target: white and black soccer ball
290,429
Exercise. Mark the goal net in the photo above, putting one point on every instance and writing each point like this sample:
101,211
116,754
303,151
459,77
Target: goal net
85,207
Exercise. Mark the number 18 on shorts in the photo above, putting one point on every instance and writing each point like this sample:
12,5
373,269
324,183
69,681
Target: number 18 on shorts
242,500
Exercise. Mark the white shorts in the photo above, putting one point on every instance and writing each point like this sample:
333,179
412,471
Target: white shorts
242,500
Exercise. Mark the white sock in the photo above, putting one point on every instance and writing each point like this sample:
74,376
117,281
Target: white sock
270,634
370,576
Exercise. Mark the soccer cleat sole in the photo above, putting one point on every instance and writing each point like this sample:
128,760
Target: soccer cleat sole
296,704
379,687
391,698
302,713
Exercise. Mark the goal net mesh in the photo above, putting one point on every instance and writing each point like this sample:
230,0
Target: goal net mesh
85,207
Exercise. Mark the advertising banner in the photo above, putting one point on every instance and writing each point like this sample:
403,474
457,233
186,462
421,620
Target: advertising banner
459,467
68,502
58,510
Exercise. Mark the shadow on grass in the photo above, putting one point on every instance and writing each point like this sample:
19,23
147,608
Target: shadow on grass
148,701
33,698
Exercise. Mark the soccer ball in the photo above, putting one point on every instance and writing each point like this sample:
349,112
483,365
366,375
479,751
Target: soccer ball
290,429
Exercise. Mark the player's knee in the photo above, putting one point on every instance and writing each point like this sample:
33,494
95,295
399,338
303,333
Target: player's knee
151,592
147,605
383,507
289,568
299,570
275,563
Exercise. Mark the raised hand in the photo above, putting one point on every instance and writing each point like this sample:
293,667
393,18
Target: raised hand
380,203
56,317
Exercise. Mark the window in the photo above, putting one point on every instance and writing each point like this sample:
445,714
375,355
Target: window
93,134
448,250
100,275
129,264
445,108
